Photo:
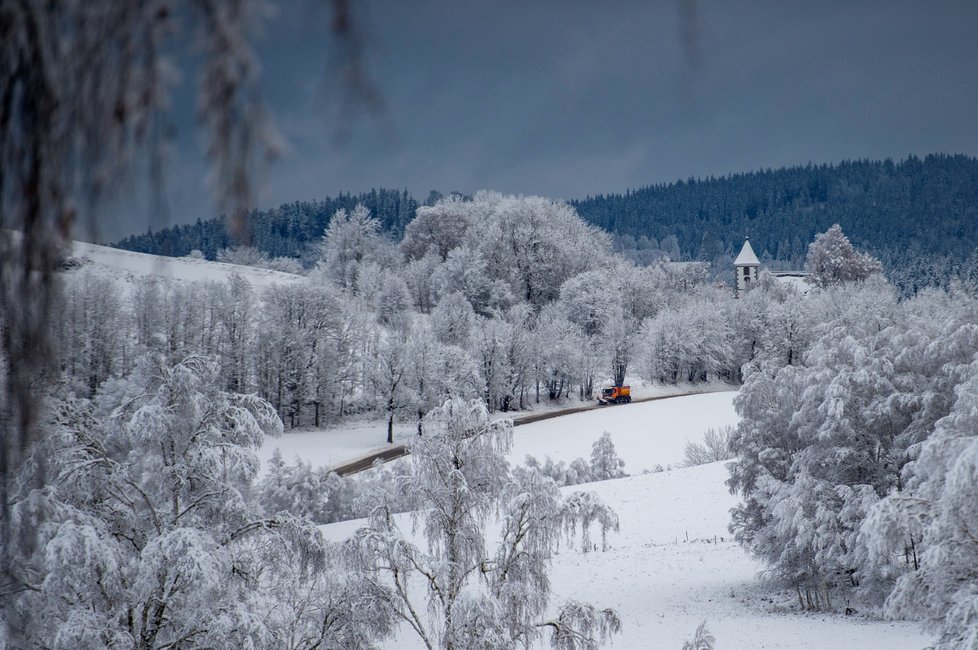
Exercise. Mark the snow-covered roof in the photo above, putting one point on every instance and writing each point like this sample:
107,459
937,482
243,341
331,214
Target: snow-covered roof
747,257
796,279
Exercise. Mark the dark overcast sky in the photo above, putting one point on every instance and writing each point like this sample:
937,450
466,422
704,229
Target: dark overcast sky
568,98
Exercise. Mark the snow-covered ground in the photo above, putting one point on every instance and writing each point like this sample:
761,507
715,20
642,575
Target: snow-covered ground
672,565
650,433
334,446
126,266
645,434
664,586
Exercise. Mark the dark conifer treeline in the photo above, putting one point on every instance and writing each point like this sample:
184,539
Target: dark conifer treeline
919,216
912,213
284,231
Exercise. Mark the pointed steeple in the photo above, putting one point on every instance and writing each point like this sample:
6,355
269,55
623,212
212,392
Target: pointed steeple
747,256
747,267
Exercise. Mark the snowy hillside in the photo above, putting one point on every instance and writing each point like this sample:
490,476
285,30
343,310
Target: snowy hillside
664,586
672,564
126,266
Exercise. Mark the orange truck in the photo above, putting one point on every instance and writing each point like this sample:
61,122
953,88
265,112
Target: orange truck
615,395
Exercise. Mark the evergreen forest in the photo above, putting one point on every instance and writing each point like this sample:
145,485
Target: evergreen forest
919,216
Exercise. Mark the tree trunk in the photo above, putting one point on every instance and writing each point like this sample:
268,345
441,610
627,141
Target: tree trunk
618,368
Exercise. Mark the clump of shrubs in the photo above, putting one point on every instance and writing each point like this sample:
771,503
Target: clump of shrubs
605,464
715,447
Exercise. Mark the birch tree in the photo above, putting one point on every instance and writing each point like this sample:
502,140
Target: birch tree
475,595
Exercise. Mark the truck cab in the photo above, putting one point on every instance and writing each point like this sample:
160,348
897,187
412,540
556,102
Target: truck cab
616,395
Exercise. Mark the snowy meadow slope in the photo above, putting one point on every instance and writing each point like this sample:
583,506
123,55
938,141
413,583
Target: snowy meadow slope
646,434
672,564
123,267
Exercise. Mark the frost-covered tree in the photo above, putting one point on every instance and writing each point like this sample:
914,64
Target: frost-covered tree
92,324
428,385
466,271
297,489
832,259
592,301
619,340
605,462
488,346
306,351
695,342
389,378
476,596
554,352
351,240
436,229
573,473
809,438
822,441
514,249
150,538
452,319
236,315
931,525
417,275
323,496
519,346
392,300
784,329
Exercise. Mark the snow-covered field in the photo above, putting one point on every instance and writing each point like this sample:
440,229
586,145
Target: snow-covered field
126,266
334,446
646,434
664,586
672,565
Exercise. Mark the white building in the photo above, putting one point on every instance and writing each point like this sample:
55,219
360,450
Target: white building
747,267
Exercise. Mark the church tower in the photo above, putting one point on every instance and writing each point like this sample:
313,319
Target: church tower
747,266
